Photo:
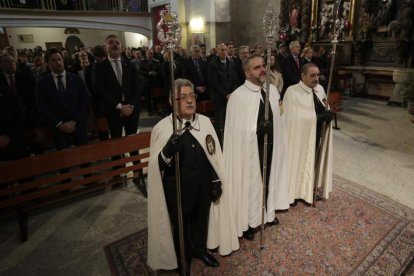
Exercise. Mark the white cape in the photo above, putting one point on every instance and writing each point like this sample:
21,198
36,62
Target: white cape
222,231
300,122
242,158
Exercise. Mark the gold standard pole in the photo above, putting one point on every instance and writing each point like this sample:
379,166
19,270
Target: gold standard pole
169,33
319,150
269,30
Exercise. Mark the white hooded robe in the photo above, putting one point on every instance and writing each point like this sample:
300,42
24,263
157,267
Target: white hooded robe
242,162
300,122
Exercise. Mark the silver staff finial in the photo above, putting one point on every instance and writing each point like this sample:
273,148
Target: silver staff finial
270,24
169,29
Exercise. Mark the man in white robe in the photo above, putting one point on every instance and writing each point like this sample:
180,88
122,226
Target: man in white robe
243,149
208,222
304,114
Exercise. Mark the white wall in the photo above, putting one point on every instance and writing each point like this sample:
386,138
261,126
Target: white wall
89,37
135,40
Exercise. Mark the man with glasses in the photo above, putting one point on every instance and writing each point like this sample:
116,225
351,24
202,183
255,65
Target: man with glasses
205,208
244,53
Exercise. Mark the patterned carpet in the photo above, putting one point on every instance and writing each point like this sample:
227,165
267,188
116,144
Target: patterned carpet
355,232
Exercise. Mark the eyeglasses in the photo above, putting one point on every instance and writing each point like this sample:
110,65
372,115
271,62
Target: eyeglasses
183,97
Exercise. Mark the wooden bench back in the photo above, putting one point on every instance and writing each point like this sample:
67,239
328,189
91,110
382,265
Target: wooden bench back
33,178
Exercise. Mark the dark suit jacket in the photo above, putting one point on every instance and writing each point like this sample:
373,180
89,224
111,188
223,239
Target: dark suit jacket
147,66
109,89
73,105
291,73
240,72
11,124
189,71
25,91
222,79
196,176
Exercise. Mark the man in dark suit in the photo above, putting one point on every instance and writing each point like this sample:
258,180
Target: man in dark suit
63,100
291,66
21,82
12,136
99,55
244,53
223,81
150,70
281,54
195,70
119,89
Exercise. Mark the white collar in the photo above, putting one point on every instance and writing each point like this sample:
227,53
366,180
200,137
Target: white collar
305,87
195,124
252,87
113,59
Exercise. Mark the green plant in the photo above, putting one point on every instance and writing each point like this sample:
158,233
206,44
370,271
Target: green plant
407,88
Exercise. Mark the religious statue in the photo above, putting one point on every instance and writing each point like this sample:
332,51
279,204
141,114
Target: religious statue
384,15
326,20
294,18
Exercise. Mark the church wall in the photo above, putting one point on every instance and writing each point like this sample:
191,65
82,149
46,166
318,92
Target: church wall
88,37
246,25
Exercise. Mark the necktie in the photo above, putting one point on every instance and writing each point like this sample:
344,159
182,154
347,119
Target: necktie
197,65
61,87
118,71
188,125
12,82
297,61
263,95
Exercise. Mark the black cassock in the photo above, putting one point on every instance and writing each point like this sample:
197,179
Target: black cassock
196,175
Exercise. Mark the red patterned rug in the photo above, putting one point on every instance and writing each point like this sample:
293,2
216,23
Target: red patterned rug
355,232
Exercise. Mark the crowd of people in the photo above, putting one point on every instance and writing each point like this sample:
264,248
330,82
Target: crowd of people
228,188
225,183
215,76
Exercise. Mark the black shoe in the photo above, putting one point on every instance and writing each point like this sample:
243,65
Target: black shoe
274,222
248,235
294,203
318,198
208,260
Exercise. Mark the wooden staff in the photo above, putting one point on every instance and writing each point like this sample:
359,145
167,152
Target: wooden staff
269,30
319,148
171,37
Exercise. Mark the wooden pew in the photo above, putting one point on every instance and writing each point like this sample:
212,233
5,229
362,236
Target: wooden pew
31,184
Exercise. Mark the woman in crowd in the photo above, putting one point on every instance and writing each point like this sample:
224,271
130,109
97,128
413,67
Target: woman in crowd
275,73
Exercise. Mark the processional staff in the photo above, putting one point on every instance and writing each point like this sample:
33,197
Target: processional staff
169,33
270,27
320,150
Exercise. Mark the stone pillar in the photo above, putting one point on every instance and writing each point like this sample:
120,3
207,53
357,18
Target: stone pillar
399,76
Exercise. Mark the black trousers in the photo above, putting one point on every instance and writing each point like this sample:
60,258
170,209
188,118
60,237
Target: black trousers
116,124
195,222
260,144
